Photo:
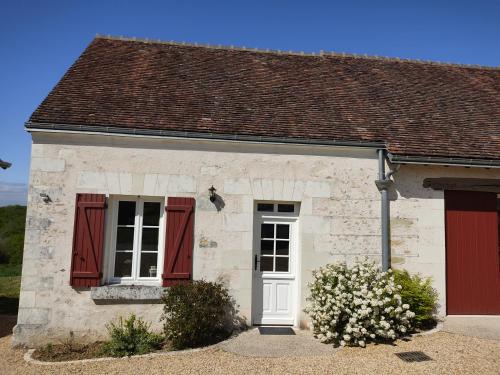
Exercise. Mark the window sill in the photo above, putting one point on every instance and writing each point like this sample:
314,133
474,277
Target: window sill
126,294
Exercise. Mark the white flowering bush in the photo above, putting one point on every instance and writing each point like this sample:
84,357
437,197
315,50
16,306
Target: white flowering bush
351,306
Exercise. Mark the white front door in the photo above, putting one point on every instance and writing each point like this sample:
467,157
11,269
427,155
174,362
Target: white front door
274,274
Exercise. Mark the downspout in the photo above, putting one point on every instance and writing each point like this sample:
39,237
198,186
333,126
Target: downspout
383,183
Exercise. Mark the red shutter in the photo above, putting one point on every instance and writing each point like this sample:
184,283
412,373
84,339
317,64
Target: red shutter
178,262
88,240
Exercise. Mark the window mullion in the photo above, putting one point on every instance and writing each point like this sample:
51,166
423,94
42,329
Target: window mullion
274,247
137,238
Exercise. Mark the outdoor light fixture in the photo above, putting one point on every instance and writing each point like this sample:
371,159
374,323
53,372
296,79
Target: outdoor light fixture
45,198
211,193
4,164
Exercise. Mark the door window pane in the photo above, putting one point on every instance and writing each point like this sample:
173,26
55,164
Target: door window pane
149,239
266,263
148,265
283,231
266,247
125,238
281,264
282,247
126,213
123,264
151,213
267,231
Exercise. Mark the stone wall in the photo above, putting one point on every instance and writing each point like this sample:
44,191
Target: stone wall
339,215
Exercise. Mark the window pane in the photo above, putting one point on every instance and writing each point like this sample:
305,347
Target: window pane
149,239
126,213
266,263
282,264
151,213
148,264
123,264
266,247
267,231
266,207
282,247
125,238
283,231
286,208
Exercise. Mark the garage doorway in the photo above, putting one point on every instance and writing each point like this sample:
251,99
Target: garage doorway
472,253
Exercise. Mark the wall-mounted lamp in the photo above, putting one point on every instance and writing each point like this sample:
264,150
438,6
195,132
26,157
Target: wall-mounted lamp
4,164
211,193
45,198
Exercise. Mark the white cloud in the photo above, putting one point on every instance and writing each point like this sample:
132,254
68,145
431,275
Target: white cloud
13,193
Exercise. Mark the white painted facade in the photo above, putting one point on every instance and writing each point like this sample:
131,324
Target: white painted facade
339,216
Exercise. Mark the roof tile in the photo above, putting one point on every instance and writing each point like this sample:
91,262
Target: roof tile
421,109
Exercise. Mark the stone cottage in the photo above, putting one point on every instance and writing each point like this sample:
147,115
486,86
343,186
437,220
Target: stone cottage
154,163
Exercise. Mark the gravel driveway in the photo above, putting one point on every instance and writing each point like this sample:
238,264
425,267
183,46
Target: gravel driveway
452,354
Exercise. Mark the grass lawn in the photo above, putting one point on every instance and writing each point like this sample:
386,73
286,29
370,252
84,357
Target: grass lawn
9,294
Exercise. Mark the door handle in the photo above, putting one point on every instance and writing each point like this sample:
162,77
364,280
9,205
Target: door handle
255,261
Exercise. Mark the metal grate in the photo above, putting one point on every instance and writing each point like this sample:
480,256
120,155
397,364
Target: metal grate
413,356
276,331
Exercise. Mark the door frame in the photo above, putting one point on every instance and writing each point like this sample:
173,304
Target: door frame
295,257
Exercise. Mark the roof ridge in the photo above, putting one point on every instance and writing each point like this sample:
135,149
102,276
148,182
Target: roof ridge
321,53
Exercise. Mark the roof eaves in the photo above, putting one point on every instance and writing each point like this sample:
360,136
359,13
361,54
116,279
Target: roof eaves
199,135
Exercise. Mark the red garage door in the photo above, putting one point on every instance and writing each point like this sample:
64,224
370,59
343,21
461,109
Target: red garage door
472,253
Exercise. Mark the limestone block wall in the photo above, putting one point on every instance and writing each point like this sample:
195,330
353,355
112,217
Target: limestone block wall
418,221
339,216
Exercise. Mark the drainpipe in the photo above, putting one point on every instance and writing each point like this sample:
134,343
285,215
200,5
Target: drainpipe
383,183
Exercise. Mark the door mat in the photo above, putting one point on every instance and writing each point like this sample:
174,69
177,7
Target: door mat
276,331
413,356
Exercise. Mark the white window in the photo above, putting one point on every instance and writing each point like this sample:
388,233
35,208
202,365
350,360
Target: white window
137,240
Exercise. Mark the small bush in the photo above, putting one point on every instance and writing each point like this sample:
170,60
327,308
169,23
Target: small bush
350,306
197,314
420,295
131,336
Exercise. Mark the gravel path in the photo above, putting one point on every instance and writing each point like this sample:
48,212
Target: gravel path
452,354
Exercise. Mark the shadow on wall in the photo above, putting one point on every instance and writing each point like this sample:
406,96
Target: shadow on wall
219,202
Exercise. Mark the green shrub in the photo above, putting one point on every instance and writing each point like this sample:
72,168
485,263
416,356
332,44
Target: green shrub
420,295
197,314
131,336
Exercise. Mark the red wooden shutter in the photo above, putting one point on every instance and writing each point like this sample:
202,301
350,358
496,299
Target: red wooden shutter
178,262
88,239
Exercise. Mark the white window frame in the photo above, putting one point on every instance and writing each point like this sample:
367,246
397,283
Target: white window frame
111,243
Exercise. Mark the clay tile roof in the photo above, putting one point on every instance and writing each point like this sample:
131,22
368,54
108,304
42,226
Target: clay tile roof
416,108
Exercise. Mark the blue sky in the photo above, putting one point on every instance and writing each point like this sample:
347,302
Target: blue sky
39,40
